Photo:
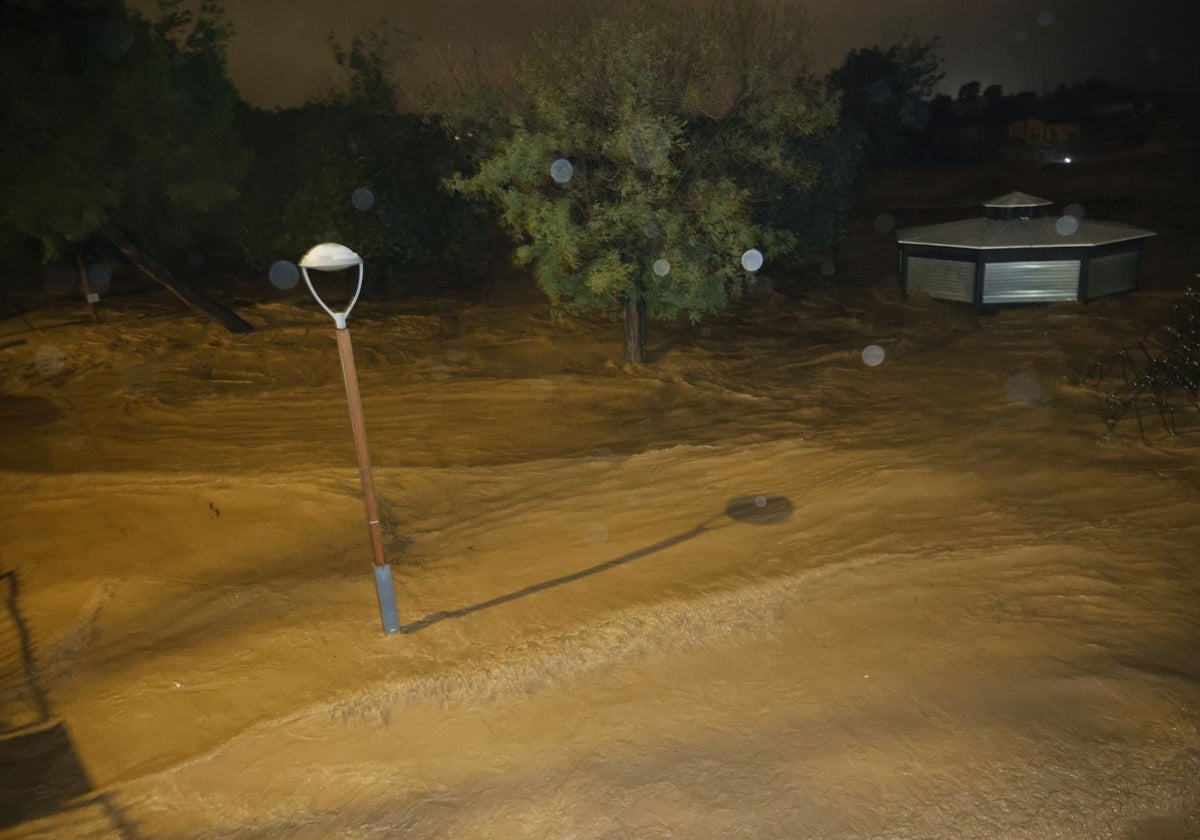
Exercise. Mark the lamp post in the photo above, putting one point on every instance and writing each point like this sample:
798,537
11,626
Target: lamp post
329,256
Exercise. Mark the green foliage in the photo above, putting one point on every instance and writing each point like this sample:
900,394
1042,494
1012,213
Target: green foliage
109,117
884,95
679,126
348,168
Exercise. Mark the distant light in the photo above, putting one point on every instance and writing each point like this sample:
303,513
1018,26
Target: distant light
562,170
1067,159
752,260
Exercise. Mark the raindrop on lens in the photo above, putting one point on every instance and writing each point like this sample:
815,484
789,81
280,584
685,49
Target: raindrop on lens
362,199
761,285
752,260
652,231
49,360
1025,387
872,355
1045,17
1066,225
114,40
596,533
562,170
879,91
1074,209
61,279
828,269
541,389
885,223
99,276
284,274
661,267
706,332
760,501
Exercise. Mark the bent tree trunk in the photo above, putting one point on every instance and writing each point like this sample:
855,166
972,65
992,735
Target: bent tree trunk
635,327
159,274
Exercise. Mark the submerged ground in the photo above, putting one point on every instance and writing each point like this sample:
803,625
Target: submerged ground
757,588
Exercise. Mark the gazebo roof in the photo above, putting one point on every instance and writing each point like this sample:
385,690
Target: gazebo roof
1017,199
1045,232
1019,231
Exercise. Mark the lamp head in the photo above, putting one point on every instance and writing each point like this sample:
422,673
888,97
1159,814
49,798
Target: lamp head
330,256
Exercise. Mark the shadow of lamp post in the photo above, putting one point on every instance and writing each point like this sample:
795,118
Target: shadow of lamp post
329,256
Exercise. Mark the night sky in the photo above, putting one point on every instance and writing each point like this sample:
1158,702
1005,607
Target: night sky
280,57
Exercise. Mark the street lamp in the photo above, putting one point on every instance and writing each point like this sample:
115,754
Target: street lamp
329,256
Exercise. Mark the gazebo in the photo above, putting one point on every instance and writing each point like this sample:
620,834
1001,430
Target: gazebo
1016,253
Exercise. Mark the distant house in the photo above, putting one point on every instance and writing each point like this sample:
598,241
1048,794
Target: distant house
1034,131
1031,139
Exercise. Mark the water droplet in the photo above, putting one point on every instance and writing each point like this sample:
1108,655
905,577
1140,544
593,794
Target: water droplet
362,199
1025,387
706,332
752,260
879,91
562,170
1045,18
61,279
99,277
284,274
652,231
49,360
760,501
828,268
596,533
885,223
872,355
139,379
1066,225
114,40
662,267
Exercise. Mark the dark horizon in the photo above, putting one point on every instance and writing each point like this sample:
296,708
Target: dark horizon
280,56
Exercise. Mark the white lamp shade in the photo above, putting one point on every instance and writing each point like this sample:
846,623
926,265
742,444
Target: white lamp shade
330,256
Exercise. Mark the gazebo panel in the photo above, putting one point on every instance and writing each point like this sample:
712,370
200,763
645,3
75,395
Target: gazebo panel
1030,281
945,279
1113,273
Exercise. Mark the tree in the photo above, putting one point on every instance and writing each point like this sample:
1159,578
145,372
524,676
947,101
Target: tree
348,167
119,129
642,144
884,95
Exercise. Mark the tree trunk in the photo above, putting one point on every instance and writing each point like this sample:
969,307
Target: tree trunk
635,328
196,301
